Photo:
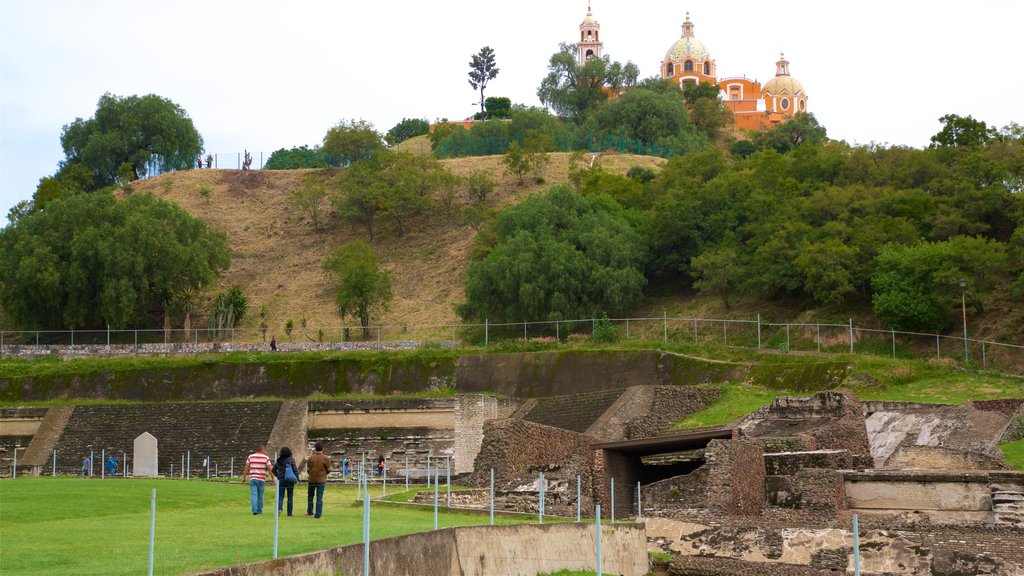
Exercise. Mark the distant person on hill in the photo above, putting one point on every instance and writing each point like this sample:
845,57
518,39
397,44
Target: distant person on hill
273,343
112,466
285,483
318,467
85,466
256,467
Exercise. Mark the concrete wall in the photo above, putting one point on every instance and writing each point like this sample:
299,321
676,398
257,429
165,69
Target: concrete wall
520,550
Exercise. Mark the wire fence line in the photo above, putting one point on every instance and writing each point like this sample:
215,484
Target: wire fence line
755,334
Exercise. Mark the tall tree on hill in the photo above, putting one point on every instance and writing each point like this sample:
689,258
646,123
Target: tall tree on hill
363,287
124,136
482,69
573,90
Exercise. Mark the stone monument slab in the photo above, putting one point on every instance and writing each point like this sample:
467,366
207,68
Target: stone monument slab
145,457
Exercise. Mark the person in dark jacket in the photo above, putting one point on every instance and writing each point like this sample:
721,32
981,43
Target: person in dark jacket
318,466
283,463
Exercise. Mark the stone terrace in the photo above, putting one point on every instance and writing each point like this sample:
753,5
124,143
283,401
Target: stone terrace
221,430
575,412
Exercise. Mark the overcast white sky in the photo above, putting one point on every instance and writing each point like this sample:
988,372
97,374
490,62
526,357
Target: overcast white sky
266,75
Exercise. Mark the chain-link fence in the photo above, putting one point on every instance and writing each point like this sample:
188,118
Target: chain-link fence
754,334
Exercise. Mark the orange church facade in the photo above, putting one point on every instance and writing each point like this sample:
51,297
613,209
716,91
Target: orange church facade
754,107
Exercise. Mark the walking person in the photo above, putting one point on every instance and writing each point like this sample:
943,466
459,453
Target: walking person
256,467
112,467
85,466
344,467
287,476
318,467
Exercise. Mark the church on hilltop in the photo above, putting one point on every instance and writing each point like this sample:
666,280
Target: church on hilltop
754,107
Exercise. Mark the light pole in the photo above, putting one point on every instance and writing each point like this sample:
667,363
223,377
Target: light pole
963,307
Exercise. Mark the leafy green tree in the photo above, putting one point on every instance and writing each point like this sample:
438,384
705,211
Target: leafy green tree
351,141
396,185
479,186
126,133
828,268
90,260
495,107
718,271
802,128
962,131
482,69
294,158
694,91
517,161
645,115
557,256
407,128
309,199
917,286
363,287
573,91
709,115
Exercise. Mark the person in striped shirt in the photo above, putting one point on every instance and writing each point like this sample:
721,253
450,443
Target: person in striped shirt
256,467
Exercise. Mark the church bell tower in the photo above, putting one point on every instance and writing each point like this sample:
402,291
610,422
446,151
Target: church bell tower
590,40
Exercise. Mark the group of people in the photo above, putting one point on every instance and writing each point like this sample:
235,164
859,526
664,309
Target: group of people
87,466
284,469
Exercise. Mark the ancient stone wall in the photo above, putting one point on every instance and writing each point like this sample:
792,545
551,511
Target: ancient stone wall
576,412
471,411
671,404
220,430
735,476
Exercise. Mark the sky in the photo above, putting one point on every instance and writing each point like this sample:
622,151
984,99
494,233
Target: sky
262,75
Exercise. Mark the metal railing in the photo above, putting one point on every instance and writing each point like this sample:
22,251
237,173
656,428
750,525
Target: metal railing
754,334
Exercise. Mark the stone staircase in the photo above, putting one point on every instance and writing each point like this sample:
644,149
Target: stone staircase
576,412
220,430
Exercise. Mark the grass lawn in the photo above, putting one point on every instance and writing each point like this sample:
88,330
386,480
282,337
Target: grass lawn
78,526
1014,452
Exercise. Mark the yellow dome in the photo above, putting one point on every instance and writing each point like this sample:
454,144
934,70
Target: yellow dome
783,85
687,47
589,20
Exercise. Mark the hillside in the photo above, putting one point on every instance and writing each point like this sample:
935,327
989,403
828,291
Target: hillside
277,253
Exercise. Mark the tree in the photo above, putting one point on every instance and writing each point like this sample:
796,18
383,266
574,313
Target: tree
129,132
309,199
645,115
802,128
573,91
482,69
351,141
479,185
495,107
718,271
407,128
517,161
229,308
393,184
362,286
962,131
91,260
558,256
300,157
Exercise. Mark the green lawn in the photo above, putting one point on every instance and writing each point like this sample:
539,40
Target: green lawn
77,526
1014,452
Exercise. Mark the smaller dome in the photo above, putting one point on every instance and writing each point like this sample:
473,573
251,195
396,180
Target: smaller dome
783,85
589,20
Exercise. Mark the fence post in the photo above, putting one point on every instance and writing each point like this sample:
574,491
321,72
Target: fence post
694,331
487,339
448,479
103,462
437,479
851,335
406,472
366,533
231,471
54,474
108,336
593,326
627,328
758,331
788,345
725,333
577,498
540,503
664,325
188,465
152,529
92,460
856,546
817,336
384,482
612,517
524,330
597,517
937,348
559,336
639,503
14,470
492,496
277,511
124,463
893,342
984,361
428,470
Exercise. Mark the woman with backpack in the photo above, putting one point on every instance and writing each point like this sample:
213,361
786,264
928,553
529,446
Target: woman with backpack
287,474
